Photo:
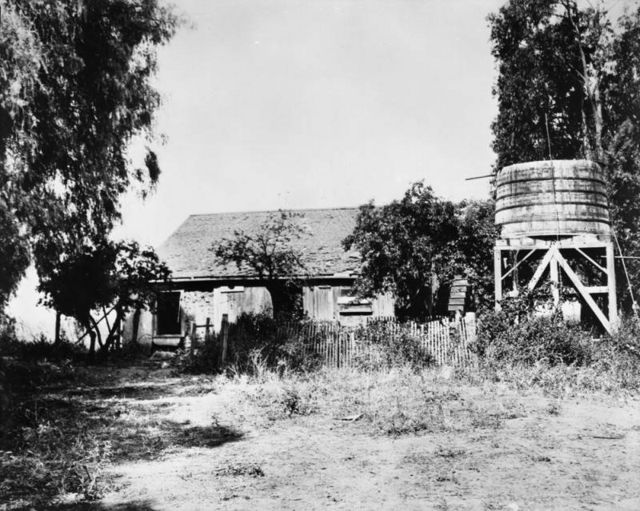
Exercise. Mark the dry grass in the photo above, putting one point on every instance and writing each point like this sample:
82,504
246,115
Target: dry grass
72,437
63,436
395,439
394,403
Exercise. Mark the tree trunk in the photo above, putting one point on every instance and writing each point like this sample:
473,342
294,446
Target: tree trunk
57,329
113,331
592,141
286,298
136,325
586,144
96,329
92,336
596,102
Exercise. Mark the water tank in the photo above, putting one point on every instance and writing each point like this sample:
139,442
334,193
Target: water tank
552,198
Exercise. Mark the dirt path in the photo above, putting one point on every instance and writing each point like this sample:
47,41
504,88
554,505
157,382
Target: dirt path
570,454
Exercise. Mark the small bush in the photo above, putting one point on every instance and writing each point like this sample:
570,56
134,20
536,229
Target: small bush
627,337
545,352
513,335
255,342
48,463
390,348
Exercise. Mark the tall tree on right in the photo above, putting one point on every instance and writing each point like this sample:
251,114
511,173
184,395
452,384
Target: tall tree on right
568,86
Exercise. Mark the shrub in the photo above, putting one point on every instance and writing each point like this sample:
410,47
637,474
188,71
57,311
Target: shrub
288,347
527,351
256,341
392,348
627,337
516,336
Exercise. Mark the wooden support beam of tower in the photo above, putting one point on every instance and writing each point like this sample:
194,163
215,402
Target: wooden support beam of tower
515,267
497,273
580,287
586,256
540,269
555,281
611,284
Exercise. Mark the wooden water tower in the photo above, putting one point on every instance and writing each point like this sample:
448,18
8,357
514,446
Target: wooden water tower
555,228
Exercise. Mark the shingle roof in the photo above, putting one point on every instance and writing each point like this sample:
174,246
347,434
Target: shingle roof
187,251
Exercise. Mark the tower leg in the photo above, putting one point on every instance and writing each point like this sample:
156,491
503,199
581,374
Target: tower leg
611,285
555,281
497,272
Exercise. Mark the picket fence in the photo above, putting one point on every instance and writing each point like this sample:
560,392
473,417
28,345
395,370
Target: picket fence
447,342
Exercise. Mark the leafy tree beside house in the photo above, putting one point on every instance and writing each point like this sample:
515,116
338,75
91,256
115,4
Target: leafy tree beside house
477,233
269,254
119,277
410,244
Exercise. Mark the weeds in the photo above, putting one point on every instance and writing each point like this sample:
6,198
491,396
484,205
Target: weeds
61,444
506,339
387,350
554,409
51,456
61,430
394,403
242,469
449,452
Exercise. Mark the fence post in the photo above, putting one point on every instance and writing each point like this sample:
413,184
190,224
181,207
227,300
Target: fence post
336,336
470,325
193,337
225,336
207,326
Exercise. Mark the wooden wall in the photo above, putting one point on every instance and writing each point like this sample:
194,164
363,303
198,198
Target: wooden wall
237,300
332,303
320,303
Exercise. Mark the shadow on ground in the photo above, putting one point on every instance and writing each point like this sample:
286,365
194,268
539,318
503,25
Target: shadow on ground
59,440
127,391
144,441
134,430
142,505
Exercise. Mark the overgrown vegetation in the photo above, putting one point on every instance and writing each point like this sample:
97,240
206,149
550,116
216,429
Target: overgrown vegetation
117,277
388,350
66,427
517,335
61,423
257,343
529,349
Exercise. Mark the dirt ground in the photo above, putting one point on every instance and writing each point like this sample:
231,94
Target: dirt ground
546,453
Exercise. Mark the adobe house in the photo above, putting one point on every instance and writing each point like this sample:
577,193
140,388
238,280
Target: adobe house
202,290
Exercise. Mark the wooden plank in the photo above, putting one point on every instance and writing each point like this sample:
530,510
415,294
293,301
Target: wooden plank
497,276
582,290
588,258
611,284
555,281
518,263
541,267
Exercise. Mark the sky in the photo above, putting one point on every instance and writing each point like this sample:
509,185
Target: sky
284,104
288,104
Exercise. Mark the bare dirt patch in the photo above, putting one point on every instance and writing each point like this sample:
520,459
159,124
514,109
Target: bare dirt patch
311,445
345,440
